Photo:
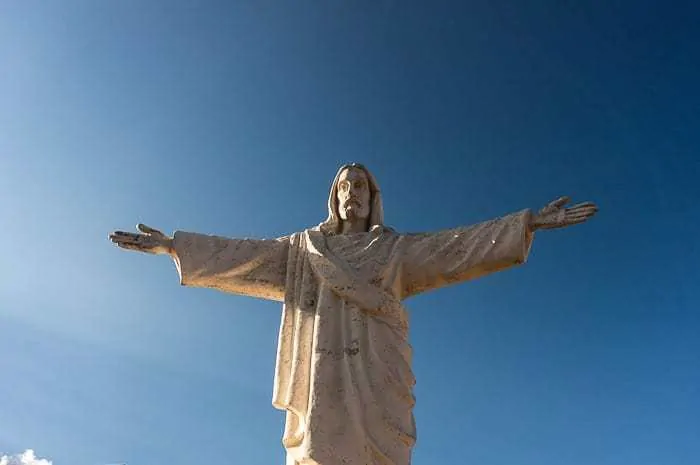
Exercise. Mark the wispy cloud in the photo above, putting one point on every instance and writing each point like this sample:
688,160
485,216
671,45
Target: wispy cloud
25,458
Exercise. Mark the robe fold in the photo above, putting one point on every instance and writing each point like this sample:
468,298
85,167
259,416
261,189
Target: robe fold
343,371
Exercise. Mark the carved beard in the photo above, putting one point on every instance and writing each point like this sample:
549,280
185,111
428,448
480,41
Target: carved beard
351,209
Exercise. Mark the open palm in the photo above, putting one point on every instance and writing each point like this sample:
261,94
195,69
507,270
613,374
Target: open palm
556,215
150,240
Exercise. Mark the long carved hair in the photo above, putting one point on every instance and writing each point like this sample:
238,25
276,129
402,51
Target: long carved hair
332,225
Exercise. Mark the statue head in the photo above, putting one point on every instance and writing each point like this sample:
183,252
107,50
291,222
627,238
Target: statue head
354,195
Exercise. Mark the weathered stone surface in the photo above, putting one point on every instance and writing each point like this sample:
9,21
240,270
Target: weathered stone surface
343,373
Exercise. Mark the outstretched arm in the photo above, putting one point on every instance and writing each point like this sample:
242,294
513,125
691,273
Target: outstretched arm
252,267
433,260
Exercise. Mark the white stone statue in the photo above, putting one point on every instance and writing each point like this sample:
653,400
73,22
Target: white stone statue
343,373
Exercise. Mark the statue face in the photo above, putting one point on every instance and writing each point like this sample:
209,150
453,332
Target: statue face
353,194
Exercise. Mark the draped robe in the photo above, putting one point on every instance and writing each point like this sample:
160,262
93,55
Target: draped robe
343,371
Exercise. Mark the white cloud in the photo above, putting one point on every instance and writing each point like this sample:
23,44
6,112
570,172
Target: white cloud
25,458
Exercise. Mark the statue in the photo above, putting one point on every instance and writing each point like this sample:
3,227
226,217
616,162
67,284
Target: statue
343,372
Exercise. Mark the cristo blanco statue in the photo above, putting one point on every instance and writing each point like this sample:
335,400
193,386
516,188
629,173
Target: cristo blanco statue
343,373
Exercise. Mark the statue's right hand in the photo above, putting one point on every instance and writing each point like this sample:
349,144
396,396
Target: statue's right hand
150,241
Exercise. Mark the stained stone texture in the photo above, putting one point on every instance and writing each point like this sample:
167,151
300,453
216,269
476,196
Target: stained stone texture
343,373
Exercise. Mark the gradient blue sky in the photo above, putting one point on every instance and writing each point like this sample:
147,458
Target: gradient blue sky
231,118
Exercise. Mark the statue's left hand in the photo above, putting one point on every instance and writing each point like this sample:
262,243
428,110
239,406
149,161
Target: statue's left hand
150,240
556,215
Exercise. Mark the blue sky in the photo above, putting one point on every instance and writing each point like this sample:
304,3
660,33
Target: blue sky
231,118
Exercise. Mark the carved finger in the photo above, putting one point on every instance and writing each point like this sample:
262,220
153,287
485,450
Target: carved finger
583,208
143,245
584,205
148,230
555,205
579,215
129,246
575,220
121,236
560,202
583,212
128,236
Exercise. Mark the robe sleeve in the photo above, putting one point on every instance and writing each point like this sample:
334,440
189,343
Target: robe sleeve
433,260
251,267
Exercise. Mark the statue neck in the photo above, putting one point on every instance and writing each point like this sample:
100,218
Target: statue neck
351,226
